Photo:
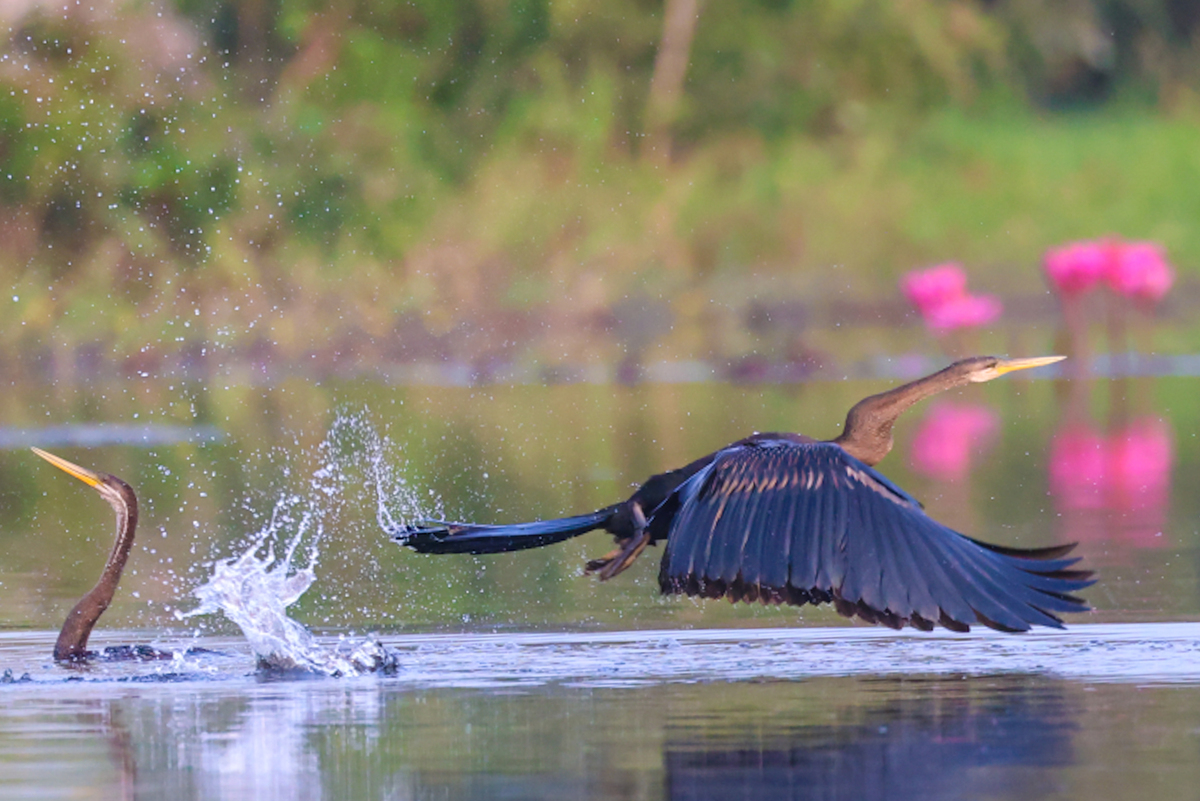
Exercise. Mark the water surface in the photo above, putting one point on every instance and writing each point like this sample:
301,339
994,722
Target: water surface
1099,711
519,677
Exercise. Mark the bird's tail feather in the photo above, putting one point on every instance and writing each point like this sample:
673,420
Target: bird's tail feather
437,536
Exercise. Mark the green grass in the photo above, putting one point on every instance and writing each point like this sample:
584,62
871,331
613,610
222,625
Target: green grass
577,227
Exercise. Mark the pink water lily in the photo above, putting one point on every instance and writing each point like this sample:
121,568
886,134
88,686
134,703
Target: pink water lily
940,295
969,311
931,288
1139,270
1077,267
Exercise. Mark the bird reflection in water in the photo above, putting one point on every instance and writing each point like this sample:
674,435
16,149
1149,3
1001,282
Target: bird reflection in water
940,744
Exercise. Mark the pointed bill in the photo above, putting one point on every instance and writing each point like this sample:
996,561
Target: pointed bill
81,473
1011,365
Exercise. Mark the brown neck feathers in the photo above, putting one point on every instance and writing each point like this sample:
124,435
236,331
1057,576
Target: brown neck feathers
73,637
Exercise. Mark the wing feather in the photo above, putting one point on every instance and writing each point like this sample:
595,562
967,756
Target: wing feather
932,566
804,558
901,582
748,569
831,563
725,541
806,522
861,578
773,559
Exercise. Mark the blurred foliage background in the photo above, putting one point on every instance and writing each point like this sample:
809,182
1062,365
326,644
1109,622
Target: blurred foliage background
552,188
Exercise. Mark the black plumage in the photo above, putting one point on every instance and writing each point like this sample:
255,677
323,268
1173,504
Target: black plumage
779,519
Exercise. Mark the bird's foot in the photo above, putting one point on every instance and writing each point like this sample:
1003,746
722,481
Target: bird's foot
616,561
421,528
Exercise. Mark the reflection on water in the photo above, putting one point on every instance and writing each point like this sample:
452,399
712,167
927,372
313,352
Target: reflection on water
1111,481
917,737
952,438
1126,473
97,435
934,743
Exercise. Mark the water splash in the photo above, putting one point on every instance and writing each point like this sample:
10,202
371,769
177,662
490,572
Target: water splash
354,439
254,591
356,458
255,588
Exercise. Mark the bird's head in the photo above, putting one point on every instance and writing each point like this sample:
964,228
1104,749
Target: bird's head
978,369
111,488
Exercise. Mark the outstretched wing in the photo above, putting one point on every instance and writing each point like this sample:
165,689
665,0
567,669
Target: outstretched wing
787,522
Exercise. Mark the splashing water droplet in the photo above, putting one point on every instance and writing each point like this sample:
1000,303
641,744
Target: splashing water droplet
255,589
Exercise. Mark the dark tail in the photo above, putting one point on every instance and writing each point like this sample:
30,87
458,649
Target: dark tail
436,536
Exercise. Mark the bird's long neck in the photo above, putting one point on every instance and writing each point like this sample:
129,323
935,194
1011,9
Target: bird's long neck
73,637
867,435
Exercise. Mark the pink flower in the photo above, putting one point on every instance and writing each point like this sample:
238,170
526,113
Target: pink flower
1139,270
949,436
1077,267
1136,270
940,295
928,289
969,311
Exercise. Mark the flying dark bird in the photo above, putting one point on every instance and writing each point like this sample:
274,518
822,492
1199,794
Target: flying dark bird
784,518
71,645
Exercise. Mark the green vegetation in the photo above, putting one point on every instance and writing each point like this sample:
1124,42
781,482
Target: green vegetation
533,186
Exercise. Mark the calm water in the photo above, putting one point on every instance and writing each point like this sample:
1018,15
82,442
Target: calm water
521,678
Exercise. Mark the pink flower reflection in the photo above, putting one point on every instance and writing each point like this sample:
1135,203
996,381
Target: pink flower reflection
1139,270
948,438
1079,468
1127,473
1142,456
1077,267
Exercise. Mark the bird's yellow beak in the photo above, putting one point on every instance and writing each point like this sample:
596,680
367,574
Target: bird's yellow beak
1010,365
81,473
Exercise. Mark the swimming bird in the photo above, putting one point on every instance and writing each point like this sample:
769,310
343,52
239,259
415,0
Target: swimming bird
785,518
71,645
